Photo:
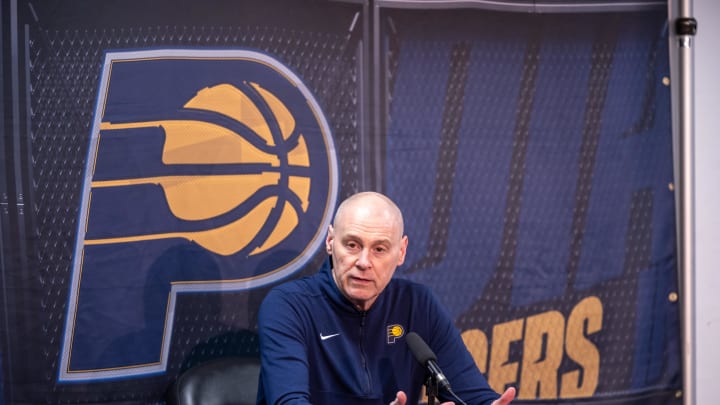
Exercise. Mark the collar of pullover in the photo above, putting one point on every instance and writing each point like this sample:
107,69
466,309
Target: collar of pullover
332,291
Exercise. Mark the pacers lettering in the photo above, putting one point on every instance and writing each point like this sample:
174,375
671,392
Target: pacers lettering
546,339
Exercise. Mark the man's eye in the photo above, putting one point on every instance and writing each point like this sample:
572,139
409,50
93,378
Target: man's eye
381,249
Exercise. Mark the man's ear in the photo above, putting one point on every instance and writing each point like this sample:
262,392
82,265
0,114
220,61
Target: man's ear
329,239
403,249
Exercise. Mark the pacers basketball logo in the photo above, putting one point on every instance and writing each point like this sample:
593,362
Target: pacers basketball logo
394,332
207,171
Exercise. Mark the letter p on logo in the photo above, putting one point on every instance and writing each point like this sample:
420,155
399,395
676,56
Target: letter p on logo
202,166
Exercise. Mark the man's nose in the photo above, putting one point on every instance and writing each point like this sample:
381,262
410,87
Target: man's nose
363,261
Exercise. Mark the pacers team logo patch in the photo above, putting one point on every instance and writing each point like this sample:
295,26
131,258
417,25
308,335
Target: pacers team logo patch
207,171
394,332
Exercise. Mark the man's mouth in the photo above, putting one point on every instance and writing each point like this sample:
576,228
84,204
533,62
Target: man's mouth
359,280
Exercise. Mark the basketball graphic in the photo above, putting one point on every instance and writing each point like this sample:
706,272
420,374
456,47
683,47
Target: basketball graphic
263,158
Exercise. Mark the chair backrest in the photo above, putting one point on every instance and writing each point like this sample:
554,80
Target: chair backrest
223,381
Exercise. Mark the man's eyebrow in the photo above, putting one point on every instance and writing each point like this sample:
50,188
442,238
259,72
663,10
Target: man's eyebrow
352,236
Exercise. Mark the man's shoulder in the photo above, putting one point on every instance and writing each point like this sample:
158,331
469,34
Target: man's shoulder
298,289
303,284
405,283
410,288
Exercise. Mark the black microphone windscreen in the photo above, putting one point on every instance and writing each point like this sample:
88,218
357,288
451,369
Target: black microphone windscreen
419,348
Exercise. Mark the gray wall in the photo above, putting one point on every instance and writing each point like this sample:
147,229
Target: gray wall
707,199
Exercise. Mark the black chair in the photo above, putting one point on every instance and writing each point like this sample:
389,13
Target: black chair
222,381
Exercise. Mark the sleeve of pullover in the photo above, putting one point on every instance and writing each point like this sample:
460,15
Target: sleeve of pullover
456,361
284,374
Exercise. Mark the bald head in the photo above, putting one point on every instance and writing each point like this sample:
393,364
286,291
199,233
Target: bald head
366,243
373,203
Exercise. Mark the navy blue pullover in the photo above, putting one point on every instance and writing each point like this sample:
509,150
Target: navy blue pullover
317,348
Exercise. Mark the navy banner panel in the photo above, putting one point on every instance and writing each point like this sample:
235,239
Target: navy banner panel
166,163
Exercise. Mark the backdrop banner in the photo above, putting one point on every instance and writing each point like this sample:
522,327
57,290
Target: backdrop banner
166,164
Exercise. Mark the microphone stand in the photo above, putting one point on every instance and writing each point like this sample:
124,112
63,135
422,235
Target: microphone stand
431,389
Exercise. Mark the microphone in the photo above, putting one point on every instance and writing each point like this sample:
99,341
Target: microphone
425,356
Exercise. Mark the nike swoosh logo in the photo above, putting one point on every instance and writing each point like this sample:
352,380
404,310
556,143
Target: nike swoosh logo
326,337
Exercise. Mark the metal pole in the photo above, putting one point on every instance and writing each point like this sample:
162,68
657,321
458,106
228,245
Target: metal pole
682,29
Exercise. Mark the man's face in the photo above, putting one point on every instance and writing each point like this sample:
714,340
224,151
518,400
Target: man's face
366,245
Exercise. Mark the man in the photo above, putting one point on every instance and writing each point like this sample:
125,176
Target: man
337,337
